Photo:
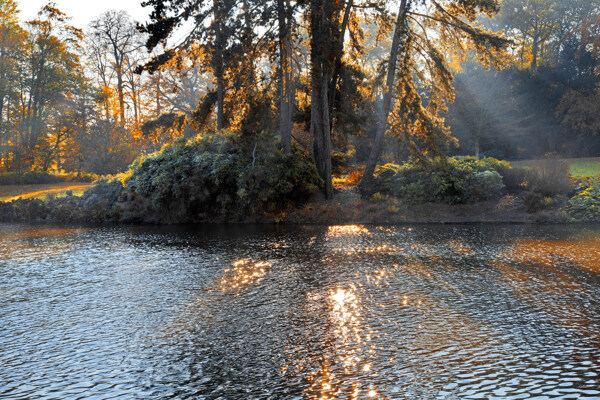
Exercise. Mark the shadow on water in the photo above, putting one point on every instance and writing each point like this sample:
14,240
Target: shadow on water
316,312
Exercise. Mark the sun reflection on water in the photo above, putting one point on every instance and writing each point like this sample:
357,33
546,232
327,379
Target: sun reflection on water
347,361
243,273
341,230
345,313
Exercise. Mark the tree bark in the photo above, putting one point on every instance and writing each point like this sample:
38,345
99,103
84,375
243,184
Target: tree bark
220,96
121,98
218,62
285,125
320,127
321,18
534,52
158,105
367,178
119,56
338,59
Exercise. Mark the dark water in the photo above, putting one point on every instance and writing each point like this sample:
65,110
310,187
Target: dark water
428,312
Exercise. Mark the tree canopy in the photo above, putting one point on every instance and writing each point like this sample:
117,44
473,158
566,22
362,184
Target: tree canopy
348,82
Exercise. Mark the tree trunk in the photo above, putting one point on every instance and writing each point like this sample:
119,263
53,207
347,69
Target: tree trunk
285,125
119,68
220,92
321,18
367,178
136,112
158,106
534,52
121,99
319,121
218,62
338,59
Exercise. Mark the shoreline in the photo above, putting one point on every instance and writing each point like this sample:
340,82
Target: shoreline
346,208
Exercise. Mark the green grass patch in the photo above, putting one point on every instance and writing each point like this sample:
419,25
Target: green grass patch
577,166
585,167
43,192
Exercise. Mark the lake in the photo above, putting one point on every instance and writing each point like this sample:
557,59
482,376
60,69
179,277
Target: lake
300,312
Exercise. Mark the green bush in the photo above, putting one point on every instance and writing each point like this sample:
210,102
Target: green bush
454,180
514,178
215,175
535,202
585,204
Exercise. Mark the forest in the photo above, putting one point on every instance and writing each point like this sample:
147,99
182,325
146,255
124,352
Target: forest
257,104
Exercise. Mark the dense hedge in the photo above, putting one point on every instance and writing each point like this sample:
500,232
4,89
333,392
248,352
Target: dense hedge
215,175
454,180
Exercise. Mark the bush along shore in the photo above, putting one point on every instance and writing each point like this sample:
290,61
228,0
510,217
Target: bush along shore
219,178
213,178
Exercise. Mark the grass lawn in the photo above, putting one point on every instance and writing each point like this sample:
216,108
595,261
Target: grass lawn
11,192
577,166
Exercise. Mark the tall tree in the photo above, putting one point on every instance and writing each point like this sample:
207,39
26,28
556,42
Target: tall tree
421,39
534,21
284,18
12,40
50,75
115,34
323,18
214,24
399,34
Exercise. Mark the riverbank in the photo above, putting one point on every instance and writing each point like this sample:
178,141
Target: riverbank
110,203
212,179
347,207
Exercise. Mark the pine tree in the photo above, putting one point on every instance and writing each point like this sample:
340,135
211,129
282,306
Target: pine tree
418,63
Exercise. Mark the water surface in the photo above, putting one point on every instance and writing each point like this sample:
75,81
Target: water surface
230,312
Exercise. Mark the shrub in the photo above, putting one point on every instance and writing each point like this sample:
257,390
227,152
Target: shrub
28,178
585,204
550,177
514,178
455,180
341,159
215,175
278,181
79,177
535,202
99,202
10,178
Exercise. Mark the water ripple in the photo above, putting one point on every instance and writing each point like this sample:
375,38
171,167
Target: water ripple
348,312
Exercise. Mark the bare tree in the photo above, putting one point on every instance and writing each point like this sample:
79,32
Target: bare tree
114,34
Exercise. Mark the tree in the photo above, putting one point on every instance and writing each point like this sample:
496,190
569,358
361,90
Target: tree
323,17
114,37
420,40
284,18
534,21
12,42
215,23
50,74
399,34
